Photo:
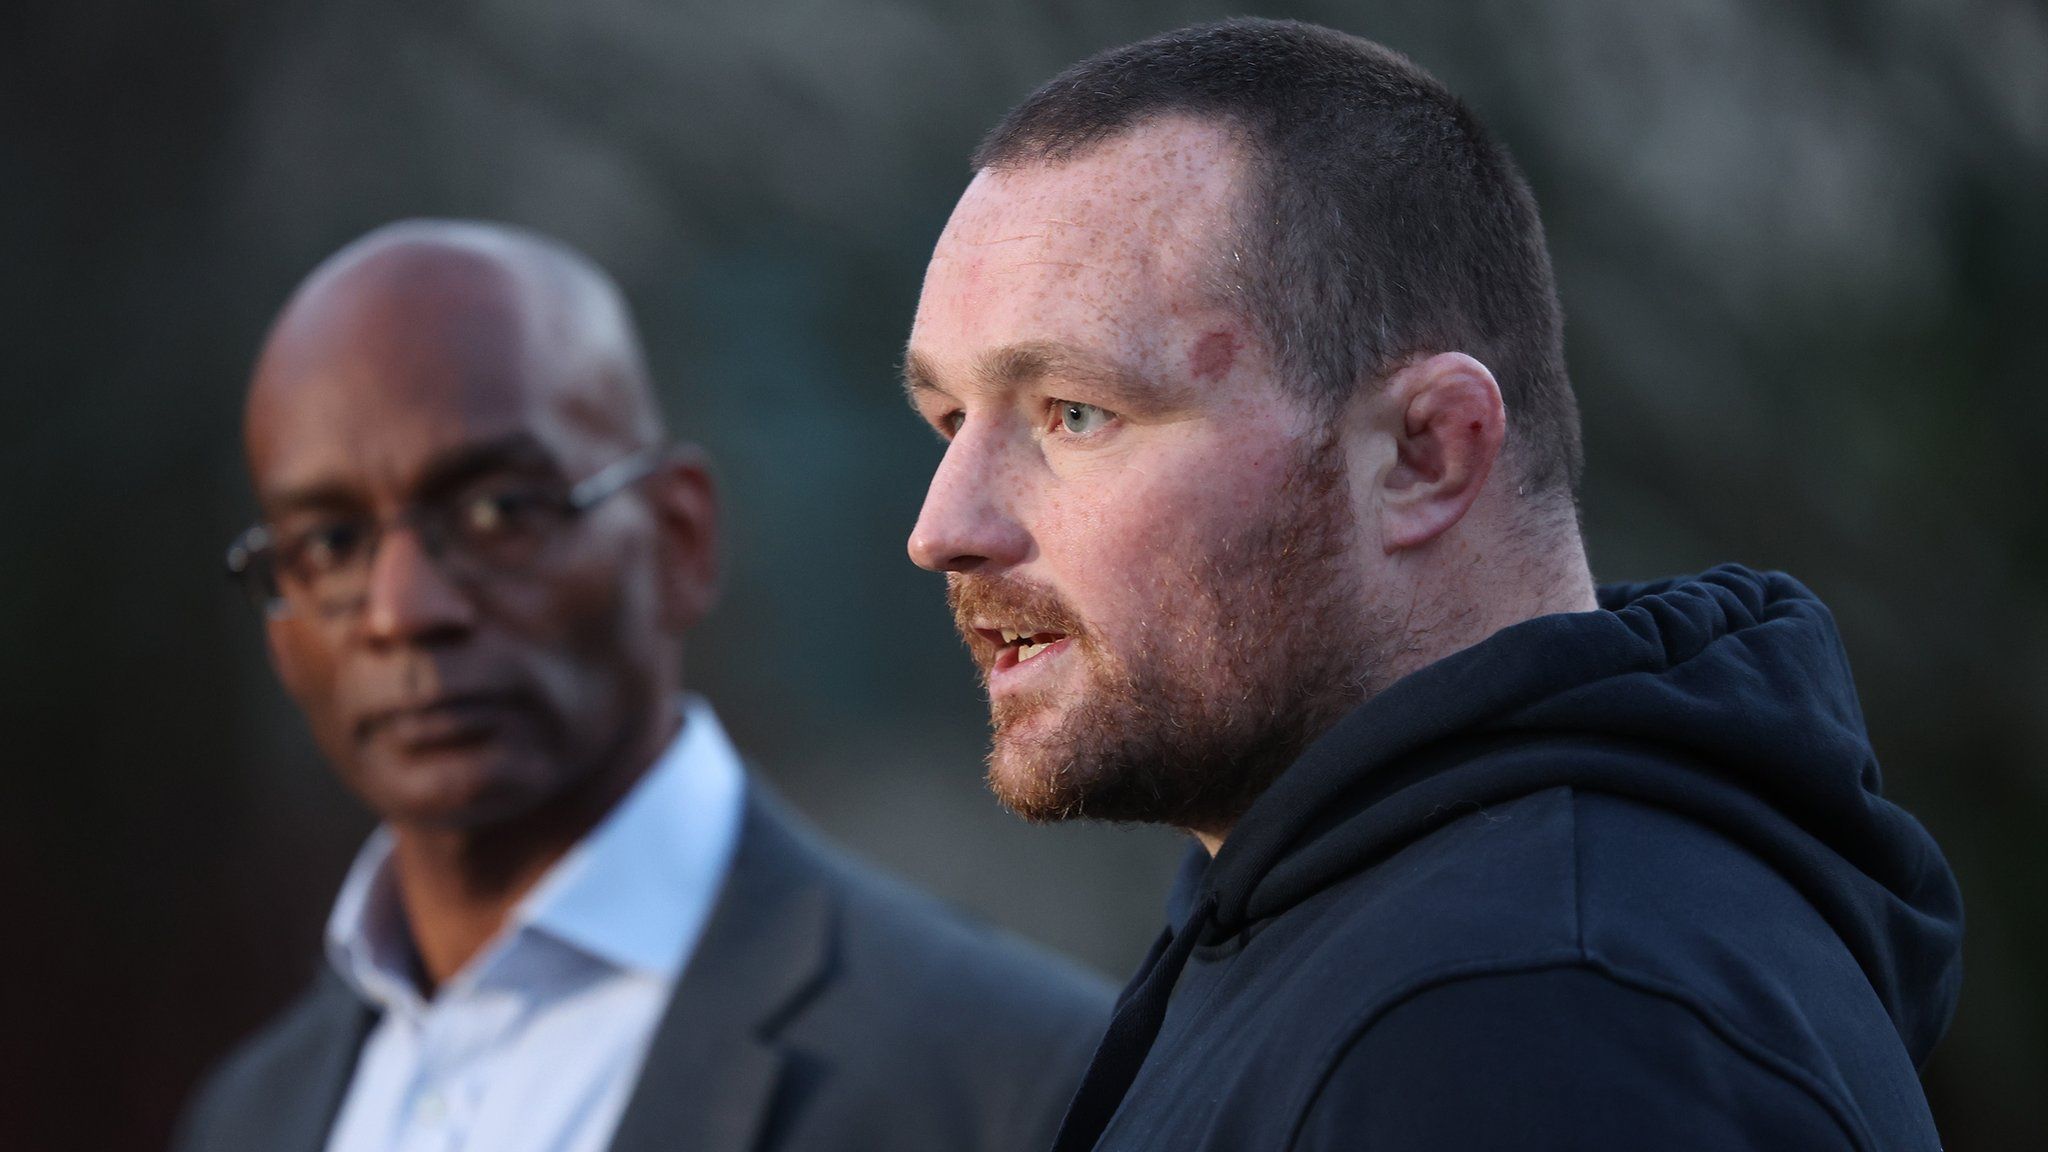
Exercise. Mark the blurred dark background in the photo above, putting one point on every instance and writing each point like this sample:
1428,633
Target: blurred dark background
1802,244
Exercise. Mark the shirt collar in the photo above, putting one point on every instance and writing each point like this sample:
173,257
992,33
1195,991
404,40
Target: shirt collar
635,892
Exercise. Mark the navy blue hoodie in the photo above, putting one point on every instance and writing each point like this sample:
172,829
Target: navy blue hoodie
1615,879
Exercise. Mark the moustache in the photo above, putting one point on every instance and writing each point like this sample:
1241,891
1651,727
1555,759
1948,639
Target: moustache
984,603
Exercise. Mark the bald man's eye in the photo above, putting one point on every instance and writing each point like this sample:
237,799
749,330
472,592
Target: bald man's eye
310,551
1079,419
491,515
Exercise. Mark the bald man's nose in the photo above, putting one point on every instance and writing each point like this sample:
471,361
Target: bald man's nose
410,598
966,524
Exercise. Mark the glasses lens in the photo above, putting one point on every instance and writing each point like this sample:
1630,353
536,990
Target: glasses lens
323,568
261,588
252,561
501,527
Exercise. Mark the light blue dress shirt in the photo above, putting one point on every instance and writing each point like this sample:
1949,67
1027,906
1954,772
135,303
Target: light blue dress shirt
535,1046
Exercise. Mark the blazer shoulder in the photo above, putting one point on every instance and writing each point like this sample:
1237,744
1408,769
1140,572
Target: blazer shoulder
900,943
942,1031
291,1072
897,931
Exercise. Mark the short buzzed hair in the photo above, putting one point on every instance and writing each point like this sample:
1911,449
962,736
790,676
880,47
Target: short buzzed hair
1381,220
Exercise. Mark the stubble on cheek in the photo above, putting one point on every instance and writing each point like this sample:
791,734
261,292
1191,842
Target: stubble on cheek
1254,645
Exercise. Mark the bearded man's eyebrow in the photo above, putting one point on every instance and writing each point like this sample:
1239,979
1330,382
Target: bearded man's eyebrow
1114,385
919,380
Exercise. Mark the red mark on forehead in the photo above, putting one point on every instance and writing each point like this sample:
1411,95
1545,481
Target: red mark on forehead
1213,355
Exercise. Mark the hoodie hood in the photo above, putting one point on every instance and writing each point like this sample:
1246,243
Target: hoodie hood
1725,697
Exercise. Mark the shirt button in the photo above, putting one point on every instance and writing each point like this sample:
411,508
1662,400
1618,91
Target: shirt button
432,1108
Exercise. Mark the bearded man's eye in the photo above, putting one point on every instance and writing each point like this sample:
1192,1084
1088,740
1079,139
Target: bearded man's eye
1081,419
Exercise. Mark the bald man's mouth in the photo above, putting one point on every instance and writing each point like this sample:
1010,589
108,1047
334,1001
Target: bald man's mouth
448,721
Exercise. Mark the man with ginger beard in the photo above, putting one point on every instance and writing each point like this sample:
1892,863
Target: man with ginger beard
580,925
1258,513
1121,752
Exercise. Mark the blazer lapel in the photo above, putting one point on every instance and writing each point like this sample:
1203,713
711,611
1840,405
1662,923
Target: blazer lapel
713,1064
292,1106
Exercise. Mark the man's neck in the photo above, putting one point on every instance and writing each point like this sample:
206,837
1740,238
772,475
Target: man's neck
1463,609
1456,605
459,885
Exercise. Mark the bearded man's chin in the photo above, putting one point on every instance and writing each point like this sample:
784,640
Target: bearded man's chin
1027,788
1029,770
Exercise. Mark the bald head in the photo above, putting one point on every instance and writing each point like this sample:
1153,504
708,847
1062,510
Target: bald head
449,306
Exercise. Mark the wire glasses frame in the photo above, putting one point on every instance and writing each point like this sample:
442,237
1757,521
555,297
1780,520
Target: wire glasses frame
252,558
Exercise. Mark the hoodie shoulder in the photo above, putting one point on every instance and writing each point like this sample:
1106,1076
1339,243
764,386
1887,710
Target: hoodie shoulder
1576,922
1669,903
1563,1058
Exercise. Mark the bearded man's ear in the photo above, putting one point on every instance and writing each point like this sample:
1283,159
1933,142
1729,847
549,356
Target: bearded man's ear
1448,425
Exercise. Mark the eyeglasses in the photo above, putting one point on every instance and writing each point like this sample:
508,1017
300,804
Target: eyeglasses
495,526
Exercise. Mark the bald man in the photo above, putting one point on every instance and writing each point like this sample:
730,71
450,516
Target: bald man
579,925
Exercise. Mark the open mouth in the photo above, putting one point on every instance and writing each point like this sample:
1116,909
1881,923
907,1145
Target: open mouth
1015,646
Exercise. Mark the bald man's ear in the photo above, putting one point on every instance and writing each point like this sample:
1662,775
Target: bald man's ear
1448,424
684,499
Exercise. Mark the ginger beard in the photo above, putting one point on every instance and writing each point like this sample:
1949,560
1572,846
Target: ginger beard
1249,652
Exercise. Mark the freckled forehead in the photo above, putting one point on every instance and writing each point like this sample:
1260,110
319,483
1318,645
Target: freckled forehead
1150,200
1115,252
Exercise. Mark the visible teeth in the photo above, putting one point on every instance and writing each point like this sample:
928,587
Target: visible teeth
1026,645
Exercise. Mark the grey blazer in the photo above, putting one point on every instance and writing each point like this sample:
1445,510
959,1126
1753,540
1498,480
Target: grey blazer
826,1007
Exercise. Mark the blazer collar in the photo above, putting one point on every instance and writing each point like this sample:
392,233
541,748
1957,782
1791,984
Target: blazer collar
324,1036
712,1066
633,894
715,1058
